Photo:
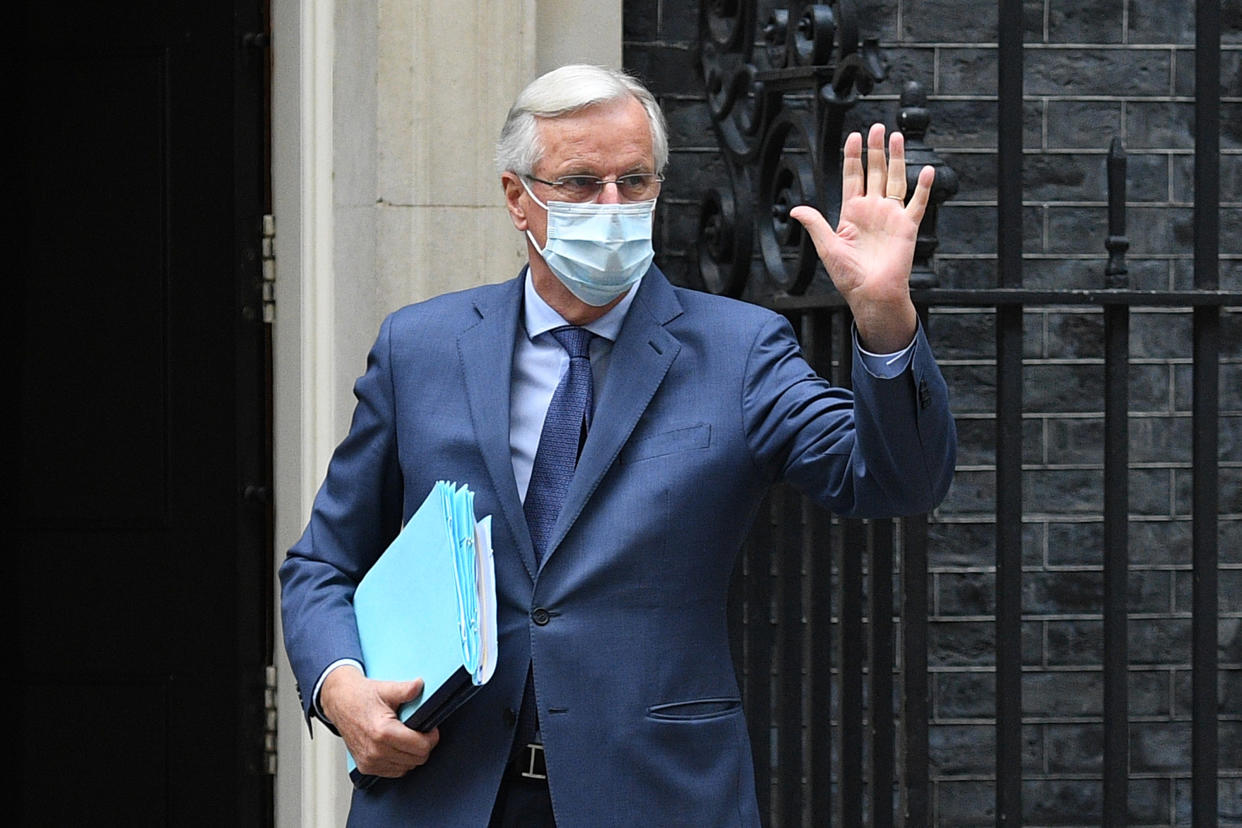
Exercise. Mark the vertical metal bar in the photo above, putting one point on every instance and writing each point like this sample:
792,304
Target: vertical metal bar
1116,504
1204,417
881,612
853,547
1009,421
1116,564
758,699
787,512
917,708
817,343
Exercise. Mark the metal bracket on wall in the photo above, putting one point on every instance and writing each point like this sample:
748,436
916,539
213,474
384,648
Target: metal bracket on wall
778,114
269,720
269,268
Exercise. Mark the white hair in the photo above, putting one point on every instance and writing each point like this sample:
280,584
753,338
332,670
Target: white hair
561,92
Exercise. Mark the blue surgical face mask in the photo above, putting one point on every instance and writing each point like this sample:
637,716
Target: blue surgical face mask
598,251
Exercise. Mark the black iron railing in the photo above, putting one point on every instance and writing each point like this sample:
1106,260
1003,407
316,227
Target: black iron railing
827,613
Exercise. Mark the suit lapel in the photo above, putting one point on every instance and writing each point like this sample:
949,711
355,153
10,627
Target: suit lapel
486,353
641,357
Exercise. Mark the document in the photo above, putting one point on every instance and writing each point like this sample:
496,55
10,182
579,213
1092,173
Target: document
427,609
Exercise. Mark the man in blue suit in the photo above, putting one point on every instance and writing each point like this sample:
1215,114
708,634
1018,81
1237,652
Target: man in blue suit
614,701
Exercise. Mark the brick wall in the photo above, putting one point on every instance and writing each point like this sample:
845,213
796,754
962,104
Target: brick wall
1093,69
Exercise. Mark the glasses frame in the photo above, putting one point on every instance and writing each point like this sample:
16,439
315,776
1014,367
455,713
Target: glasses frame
559,184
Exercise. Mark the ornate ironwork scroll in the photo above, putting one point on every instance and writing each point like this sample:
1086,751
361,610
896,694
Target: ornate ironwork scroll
778,108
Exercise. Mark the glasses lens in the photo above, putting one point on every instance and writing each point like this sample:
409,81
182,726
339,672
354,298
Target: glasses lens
579,187
636,186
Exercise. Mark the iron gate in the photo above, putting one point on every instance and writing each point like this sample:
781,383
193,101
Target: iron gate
831,650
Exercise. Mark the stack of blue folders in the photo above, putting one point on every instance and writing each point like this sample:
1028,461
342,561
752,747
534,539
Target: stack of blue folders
427,608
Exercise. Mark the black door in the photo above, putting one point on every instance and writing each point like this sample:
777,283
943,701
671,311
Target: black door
140,531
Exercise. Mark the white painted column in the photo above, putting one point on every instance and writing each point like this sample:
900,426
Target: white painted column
385,113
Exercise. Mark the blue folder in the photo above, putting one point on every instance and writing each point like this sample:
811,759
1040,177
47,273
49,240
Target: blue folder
427,609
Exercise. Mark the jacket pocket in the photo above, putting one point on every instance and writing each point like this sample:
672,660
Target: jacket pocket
695,709
668,442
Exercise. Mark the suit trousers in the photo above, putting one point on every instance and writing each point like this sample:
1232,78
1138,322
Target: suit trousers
522,803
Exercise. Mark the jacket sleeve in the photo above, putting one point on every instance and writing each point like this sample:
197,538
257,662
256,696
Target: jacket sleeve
885,449
356,513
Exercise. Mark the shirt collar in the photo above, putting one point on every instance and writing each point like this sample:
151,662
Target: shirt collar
541,318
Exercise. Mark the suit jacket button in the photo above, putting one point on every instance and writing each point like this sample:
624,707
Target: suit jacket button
541,616
510,716
924,394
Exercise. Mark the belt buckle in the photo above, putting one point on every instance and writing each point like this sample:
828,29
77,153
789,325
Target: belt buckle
536,764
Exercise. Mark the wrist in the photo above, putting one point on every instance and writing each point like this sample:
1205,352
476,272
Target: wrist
887,329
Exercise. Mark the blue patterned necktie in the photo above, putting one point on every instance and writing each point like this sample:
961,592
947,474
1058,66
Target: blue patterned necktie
569,415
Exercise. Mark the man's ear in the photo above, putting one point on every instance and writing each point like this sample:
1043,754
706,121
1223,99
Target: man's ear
513,199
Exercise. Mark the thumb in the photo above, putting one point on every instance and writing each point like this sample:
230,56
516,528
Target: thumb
820,231
396,693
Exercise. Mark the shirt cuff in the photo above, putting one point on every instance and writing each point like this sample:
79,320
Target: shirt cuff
886,366
340,662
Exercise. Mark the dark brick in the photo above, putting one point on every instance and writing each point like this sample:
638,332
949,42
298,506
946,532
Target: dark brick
676,25
1075,642
1148,801
1150,591
1063,387
1160,746
961,544
1150,386
1150,491
1064,177
1147,177
1062,693
1160,335
1075,335
936,21
962,749
1075,543
1075,441
1074,748
1159,542
1082,124
1160,125
639,18
1156,21
1076,229
963,124
1085,21
1150,637
1096,72
1149,693
1161,439
966,71
1061,802
1062,593
961,644
964,695
965,593
966,803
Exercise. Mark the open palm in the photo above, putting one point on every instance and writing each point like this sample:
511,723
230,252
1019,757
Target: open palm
870,253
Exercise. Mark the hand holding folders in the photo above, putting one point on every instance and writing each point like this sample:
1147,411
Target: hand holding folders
427,609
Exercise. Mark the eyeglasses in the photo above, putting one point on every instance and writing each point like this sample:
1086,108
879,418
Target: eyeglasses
631,187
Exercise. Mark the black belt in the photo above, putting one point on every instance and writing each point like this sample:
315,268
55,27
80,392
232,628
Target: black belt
529,764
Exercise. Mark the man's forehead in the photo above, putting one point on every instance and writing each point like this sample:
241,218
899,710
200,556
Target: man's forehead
612,131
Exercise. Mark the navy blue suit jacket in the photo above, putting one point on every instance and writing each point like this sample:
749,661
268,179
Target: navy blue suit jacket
707,402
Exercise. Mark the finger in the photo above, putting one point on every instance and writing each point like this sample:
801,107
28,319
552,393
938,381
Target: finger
922,193
876,167
820,231
852,168
896,167
396,693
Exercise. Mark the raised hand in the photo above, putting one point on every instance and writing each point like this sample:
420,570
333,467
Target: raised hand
870,253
